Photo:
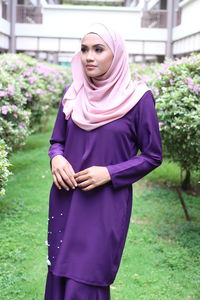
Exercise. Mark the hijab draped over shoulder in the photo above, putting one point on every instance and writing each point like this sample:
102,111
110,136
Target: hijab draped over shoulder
93,103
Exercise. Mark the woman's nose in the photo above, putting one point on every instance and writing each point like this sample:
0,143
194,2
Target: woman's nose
89,56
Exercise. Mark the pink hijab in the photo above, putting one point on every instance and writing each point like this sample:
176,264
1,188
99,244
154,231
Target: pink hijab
92,104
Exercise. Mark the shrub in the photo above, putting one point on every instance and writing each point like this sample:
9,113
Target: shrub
41,85
146,73
14,119
4,164
27,86
178,91
44,85
28,91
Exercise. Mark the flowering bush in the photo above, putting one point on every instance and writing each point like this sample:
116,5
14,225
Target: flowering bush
44,86
178,91
4,164
41,85
146,73
14,119
28,91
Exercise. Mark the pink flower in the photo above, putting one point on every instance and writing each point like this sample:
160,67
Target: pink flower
13,67
40,92
196,88
20,63
155,90
161,124
15,115
13,107
171,80
146,78
26,74
4,110
21,125
50,87
189,80
32,80
2,93
10,90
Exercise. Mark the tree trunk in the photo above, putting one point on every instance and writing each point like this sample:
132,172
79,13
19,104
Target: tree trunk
186,184
187,216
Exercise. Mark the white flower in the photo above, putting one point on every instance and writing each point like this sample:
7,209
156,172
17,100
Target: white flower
48,262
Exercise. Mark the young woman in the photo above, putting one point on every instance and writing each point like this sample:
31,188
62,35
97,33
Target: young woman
103,120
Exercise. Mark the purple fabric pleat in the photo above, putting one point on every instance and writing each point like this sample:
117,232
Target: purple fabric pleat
62,288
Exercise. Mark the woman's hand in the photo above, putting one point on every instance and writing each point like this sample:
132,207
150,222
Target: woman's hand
92,177
63,173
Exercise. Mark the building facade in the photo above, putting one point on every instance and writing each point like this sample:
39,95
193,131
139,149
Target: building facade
152,29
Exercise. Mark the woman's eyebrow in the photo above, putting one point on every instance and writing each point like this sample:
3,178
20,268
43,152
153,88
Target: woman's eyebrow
96,45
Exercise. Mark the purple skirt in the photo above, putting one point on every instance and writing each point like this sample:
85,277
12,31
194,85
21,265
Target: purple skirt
61,288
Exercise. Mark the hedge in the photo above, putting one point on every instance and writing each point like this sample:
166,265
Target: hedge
29,89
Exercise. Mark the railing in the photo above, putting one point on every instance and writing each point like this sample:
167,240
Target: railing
5,10
158,18
178,17
154,18
29,14
99,2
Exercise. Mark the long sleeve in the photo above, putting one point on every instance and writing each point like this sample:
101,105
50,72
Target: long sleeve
148,141
57,139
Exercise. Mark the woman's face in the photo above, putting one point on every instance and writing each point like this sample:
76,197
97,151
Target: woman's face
96,56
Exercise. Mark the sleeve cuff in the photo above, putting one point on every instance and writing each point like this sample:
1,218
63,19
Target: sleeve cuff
111,170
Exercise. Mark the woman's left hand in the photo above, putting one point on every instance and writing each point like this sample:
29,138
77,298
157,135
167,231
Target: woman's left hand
92,177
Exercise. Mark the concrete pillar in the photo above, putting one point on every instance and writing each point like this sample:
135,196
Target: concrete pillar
12,13
55,58
170,24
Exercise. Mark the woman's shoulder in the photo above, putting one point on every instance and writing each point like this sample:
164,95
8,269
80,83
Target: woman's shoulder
64,92
66,88
147,97
146,101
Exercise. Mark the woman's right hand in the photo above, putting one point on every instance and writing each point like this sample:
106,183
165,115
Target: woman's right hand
63,173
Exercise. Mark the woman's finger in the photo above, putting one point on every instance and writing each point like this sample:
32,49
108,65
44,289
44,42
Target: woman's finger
71,169
68,178
56,182
82,178
83,172
89,188
70,173
61,182
85,183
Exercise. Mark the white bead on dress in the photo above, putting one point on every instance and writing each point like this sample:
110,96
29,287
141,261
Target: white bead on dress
47,244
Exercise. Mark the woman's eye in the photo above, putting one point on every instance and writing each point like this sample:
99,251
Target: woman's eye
99,50
83,49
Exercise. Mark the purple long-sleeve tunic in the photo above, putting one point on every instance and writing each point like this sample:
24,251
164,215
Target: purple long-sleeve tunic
87,229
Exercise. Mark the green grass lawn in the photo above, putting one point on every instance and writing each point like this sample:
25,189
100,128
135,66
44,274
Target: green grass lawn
161,260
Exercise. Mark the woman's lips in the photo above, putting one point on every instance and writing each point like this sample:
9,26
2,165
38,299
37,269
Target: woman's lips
90,67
